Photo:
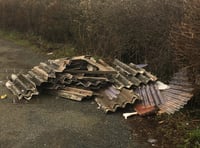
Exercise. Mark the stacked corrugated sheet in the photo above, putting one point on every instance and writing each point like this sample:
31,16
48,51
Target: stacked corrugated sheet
127,78
112,87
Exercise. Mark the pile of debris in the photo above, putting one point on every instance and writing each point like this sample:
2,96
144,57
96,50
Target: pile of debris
112,87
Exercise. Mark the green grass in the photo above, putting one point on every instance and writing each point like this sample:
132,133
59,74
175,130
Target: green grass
15,37
39,45
193,139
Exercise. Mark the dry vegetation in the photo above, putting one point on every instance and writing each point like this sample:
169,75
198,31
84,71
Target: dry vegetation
185,38
162,33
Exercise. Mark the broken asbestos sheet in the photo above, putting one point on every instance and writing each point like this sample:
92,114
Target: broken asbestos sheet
112,86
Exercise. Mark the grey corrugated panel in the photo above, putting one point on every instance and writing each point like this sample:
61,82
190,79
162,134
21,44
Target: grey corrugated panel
127,79
145,97
40,72
118,84
160,96
175,104
90,60
19,92
144,79
154,93
64,78
105,64
176,101
29,94
111,95
87,78
88,84
48,70
150,97
179,87
125,67
21,88
139,93
73,93
138,69
167,109
108,103
52,86
143,71
24,85
19,84
29,84
179,92
172,106
36,78
127,83
16,91
122,71
59,65
136,82
144,100
175,96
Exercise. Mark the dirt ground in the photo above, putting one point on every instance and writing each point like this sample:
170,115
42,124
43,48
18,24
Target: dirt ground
49,121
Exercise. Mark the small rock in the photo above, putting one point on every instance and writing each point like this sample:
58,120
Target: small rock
160,122
50,53
151,140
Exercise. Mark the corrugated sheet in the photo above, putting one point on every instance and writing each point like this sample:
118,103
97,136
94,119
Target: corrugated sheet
81,77
54,74
22,86
25,85
150,95
73,93
111,98
168,100
131,75
179,93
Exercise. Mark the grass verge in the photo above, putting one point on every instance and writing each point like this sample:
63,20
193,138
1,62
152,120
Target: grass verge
36,43
180,130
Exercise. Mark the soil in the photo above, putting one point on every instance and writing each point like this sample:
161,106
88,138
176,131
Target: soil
167,130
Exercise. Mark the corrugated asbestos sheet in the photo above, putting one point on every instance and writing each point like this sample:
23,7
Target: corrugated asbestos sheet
110,99
25,85
73,78
179,93
112,87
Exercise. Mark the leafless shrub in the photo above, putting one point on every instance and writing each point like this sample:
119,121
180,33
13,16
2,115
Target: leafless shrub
131,30
185,38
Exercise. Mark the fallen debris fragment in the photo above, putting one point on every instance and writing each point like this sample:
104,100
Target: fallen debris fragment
112,87
126,115
3,96
145,110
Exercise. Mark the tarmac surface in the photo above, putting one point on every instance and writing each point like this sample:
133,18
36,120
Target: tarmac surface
50,121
